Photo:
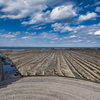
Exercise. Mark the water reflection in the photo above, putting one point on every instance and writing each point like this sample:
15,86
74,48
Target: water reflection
10,72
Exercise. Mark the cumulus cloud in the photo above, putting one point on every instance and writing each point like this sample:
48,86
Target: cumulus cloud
64,13
16,9
66,28
25,37
60,13
79,33
87,16
38,28
97,32
55,39
10,35
32,33
87,30
39,18
61,27
47,35
43,35
97,9
90,33
73,36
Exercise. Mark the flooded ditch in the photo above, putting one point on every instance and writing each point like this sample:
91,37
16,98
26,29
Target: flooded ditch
9,71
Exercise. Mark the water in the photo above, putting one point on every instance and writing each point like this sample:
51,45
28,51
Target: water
8,71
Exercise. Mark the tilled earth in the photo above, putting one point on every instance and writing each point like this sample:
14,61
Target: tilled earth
75,63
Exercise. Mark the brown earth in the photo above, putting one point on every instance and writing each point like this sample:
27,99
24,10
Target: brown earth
74,63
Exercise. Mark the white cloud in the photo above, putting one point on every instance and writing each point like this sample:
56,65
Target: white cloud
73,36
47,35
28,33
96,3
87,6
16,33
65,28
39,18
97,9
36,27
97,32
88,40
84,33
32,33
90,33
99,24
87,16
59,13
13,39
16,9
39,28
63,13
94,42
25,37
81,3
42,36
79,40
55,39
10,35
61,27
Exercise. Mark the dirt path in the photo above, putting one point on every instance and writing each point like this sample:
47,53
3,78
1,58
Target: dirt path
49,88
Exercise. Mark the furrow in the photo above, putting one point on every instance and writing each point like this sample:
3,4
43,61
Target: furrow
31,69
50,69
58,66
40,70
65,68
90,74
82,71
76,73
88,64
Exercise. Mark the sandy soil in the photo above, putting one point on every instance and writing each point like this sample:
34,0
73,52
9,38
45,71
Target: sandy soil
74,63
49,88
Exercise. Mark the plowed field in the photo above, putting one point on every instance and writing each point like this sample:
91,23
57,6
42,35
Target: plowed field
75,63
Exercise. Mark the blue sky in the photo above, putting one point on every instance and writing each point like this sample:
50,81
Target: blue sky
50,23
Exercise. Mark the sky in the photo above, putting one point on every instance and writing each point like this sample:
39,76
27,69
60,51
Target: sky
50,23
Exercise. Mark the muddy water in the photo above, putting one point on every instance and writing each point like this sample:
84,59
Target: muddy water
9,71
